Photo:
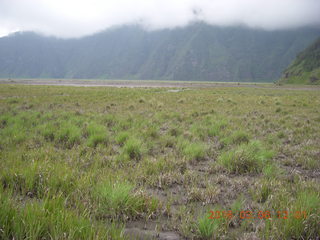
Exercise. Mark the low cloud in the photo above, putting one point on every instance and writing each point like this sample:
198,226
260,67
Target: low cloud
76,18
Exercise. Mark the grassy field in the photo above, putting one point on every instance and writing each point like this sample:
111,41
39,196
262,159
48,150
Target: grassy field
117,163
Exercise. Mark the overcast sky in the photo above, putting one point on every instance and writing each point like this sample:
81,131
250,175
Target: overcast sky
76,18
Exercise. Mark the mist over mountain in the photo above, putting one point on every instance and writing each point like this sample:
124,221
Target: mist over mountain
196,52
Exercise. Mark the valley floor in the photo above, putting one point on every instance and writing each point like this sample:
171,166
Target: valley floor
193,161
151,84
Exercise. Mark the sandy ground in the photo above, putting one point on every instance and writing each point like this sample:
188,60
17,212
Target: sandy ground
149,83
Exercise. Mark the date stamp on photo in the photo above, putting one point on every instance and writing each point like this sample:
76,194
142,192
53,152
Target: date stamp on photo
258,214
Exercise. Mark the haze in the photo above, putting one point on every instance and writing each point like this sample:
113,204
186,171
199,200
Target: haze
74,18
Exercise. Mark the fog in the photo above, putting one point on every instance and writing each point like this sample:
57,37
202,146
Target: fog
76,18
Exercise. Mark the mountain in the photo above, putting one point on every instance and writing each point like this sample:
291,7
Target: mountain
196,52
305,69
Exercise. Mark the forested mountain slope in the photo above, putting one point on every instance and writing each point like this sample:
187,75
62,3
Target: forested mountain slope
196,52
305,69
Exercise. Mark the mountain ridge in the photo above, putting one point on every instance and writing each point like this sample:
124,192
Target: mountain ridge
196,52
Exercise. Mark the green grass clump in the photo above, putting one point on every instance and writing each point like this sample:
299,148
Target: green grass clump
37,180
109,120
303,219
168,141
237,137
68,134
133,149
96,139
209,228
48,132
142,100
158,166
271,171
118,200
97,134
174,131
48,219
216,128
4,120
25,180
193,151
246,158
198,130
263,190
122,137
19,135
152,131
14,129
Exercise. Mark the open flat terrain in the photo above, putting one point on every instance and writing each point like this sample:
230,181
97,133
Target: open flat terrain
163,161
149,83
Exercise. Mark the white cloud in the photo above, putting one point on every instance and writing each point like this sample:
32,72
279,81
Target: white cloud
75,18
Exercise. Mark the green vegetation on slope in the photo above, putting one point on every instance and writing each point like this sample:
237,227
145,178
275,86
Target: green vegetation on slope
306,67
100,163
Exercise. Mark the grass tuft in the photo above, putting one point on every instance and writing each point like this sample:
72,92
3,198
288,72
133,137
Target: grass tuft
97,134
209,228
133,148
122,137
117,200
237,137
48,219
193,150
246,158
68,134
216,128
303,220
